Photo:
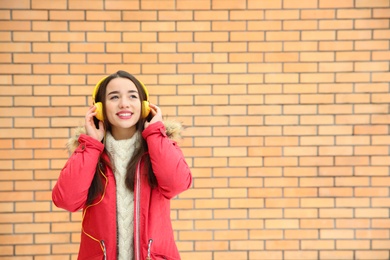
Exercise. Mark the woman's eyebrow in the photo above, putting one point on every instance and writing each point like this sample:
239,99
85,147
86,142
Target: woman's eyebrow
117,92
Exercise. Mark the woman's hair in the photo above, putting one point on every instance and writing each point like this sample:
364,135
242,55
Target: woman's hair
96,187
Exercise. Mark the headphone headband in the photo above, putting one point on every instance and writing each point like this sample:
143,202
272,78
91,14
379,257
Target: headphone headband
96,89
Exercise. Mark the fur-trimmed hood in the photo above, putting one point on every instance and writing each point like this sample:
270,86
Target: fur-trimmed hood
173,129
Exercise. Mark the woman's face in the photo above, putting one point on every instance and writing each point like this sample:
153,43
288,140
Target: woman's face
123,107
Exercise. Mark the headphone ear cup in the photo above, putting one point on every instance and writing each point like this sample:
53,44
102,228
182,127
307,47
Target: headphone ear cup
99,111
145,109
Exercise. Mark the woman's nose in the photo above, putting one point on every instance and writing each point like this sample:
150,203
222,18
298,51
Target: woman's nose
124,103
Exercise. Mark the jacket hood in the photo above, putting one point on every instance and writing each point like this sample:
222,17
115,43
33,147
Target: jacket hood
173,130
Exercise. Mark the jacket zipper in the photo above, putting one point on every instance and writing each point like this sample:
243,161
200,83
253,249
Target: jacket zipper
149,248
137,215
104,249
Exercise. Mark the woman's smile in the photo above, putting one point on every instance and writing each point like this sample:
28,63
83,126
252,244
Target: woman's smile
124,114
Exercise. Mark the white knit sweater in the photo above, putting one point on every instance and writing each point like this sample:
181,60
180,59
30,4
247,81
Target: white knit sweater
121,152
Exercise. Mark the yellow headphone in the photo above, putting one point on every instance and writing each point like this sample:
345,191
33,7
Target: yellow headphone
99,106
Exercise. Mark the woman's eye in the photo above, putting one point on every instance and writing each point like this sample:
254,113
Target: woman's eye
133,96
114,97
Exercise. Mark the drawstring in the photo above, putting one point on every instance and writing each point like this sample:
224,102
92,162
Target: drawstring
104,249
101,243
149,248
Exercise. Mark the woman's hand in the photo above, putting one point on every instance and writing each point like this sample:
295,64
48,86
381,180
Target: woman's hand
90,127
156,115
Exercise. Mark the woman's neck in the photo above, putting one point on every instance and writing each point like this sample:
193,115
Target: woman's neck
123,133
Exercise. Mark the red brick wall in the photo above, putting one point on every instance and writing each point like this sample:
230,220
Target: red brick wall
286,104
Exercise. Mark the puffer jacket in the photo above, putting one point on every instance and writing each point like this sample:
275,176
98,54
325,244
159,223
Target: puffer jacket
153,234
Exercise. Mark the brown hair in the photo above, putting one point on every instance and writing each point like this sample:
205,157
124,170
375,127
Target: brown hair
97,187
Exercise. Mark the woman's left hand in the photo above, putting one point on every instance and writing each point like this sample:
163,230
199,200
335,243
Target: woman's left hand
156,115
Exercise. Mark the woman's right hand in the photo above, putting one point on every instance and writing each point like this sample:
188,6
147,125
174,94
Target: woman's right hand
90,127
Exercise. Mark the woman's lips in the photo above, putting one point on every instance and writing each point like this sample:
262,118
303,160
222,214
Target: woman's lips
124,115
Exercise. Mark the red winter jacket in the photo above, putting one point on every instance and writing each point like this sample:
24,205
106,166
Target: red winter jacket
153,234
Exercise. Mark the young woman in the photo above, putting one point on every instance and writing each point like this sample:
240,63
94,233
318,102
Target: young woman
122,173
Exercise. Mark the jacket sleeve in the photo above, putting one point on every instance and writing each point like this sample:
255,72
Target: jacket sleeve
168,162
71,189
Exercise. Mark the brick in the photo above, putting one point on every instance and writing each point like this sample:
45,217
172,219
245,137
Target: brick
232,25
49,26
279,224
231,235
15,239
202,255
351,119
15,25
50,69
229,4
241,15
353,244
233,214
316,120
86,47
300,255
209,15
281,14
230,193
380,181
226,172
380,223
246,245
301,213
371,24
381,12
300,25
158,5
30,36
371,150
282,36
210,36
380,254
340,254
366,3
65,15
379,234
336,46
374,170
282,245
300,171
213,246
335,24
318,14
217,224
371,213
264,192
33,228
318,35
299,46
265,213
335,192
371,45
268,25
209,204
318,244
353,13
317,203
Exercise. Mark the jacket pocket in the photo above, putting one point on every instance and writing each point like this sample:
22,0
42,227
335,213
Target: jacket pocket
153,255
158,257
99,256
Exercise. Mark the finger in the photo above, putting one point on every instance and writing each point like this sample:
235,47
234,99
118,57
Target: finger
154,110
153,106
